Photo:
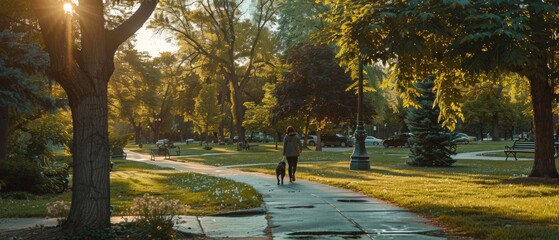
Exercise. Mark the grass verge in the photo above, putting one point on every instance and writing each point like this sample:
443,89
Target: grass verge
204,194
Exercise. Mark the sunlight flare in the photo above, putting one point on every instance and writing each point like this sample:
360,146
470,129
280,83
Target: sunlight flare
68,8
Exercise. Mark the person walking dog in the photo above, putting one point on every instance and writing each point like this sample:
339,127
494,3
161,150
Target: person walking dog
291,150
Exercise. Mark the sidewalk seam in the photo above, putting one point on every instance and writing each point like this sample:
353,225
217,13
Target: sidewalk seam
363,230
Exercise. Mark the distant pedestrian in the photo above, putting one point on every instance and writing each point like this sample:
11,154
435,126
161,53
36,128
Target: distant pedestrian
531,136
291,150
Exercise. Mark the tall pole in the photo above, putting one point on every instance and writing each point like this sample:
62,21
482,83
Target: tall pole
359,157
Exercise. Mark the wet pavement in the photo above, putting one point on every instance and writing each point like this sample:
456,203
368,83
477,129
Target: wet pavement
299,210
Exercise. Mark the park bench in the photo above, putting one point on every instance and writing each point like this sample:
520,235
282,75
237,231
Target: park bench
153,152
519,147
246,146
252,147
174,151
166,151
118,153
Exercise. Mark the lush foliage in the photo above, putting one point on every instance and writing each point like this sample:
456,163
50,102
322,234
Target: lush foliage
36,137
298,20
26,178
117,143
222,41
18,60
207,115
430,143
307,90
495,109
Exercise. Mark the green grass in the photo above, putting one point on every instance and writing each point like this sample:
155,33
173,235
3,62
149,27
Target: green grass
474,198
203,194
197,149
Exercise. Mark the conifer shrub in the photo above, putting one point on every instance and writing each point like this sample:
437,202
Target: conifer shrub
431,143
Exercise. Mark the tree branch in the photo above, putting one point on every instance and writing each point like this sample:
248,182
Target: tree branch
131,25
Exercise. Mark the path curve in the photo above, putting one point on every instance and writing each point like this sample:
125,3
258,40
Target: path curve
480,156
310,210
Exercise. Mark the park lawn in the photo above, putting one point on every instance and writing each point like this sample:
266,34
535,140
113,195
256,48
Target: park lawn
203,194
265,154
474,198
197,149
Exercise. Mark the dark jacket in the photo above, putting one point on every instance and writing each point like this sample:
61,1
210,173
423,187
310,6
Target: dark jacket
292,145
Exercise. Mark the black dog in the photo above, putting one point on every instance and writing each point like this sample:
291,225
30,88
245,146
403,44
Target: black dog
280,171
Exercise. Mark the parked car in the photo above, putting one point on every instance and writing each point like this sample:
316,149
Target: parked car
462,138
311,140
399,140
162,142
350,141
334,140
370,140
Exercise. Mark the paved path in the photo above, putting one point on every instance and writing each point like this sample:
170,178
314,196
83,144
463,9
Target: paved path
480,156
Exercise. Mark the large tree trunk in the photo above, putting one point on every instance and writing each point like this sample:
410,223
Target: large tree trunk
495,127
544,161
90,188
137,133
237,108
222,99
3,132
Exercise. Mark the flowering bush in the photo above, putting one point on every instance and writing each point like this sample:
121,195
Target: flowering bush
58,210
155,216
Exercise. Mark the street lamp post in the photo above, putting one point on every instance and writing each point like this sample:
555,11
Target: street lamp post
359,157
157,128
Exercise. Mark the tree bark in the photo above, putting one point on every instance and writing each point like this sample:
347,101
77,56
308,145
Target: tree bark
542,97
137,133
237,108
495,127
90,188
222,99
4,132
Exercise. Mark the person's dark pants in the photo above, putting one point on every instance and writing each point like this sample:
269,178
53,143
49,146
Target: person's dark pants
292,162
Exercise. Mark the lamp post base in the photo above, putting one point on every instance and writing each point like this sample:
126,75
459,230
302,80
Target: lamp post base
359,157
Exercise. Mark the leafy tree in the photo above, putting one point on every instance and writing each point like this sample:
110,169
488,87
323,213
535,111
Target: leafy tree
207,115
132,90
83,69
430,143
216,32
456,40
19,90
298,20
34,137
166,92
314,88
260,117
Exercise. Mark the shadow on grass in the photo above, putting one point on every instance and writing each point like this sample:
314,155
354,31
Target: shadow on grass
531,181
